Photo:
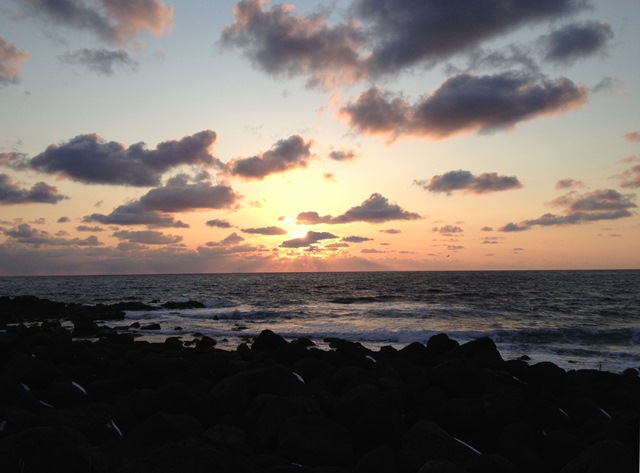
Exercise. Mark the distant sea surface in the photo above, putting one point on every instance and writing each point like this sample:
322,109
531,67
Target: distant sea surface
576,319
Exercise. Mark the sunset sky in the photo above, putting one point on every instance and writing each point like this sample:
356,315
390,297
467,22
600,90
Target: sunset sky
144,136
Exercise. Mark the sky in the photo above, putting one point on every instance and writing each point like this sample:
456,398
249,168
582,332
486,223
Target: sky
146,136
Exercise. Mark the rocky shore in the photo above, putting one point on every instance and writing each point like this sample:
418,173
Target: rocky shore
92,399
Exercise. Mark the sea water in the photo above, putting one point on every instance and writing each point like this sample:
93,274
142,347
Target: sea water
576,319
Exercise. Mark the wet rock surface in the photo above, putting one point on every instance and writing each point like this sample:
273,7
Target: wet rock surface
114,404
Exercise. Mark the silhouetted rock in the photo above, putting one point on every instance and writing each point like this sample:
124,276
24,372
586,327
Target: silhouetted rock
315,440
183,305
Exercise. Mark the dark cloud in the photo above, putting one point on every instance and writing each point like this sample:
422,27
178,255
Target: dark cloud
63,220
491,240
466,182
285,155
426,31
356,239
376,209
575,41
87,228
486,229
455,247
280,42
103,61
463,103
610,85
373,251
232,239
633,136
27,235
448,230
309,239
135,214
603,204
391,231
568,183
218,223
382,37
147,237
115,21
342,155
630,178
269,231
10,62
40,193
179,195
89,159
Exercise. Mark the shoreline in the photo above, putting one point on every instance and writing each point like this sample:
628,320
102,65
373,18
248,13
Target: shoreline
118,404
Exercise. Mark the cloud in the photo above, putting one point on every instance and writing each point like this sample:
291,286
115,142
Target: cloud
633,136
147,237
602,204
40,193
281,43
391,231
269,231
218,223
630,178
285,155
468,183
448,230
342,155
356,239
90,159
232,239
575,41
376,209
309,239
117,21
178,195
329,176
87,228
381,37
10,62
486,229
63,220
455,247
568,183
101,60
427,31
27,235
134,213
463,103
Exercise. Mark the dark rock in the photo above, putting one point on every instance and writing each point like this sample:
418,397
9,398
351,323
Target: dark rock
230,437
158,430
268,413
154,326
440,466
439,344
378,460
459,378
604,457
483,351
427,441
183,305
631,372
50,449
268,341
519,443
314,440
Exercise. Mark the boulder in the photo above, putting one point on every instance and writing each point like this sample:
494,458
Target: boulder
314,440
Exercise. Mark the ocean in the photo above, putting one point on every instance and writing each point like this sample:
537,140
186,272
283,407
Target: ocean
576,319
